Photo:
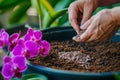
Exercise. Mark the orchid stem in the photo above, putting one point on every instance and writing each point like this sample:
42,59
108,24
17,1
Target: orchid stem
8,53
39,9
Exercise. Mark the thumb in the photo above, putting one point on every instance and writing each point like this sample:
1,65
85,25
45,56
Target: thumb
87,13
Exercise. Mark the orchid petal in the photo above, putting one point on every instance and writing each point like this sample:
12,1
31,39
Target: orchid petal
1,44
20,62
17,50
30,31
20,42
7,59
14,37
38,35
6,37
8,71
45,48
2,30
32,48
27,37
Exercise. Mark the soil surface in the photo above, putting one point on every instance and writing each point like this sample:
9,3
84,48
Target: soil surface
82,57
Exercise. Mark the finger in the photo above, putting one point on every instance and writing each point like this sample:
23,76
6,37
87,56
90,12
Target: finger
87,13
84,27
84,37
73,19
93,30
75,26
86,24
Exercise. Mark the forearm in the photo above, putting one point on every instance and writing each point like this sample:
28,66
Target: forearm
116,15
107,2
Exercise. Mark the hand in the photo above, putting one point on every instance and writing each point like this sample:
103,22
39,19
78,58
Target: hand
81,11
99,27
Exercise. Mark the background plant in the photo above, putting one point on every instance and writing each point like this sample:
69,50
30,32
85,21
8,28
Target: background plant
51,12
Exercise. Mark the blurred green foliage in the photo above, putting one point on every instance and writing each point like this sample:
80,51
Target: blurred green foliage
33,76
117,76
51,12
1,77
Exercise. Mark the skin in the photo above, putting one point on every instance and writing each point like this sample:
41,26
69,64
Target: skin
98,27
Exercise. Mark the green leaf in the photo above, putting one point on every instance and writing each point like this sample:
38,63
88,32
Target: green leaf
51,18
32,77
1,77
53,2
117,77
6,4
47,6
63,4
63,20
18,12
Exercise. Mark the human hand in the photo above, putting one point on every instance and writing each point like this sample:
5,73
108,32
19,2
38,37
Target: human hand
81,11
99,27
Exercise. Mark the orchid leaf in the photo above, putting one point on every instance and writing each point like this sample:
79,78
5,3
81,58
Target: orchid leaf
6,4
50,19
117,77
59,13
47,6
62,4
63,20
32,77
18,12
53,2
1,77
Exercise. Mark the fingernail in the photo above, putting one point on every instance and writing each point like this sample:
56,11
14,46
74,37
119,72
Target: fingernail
74,38
81,27
78,31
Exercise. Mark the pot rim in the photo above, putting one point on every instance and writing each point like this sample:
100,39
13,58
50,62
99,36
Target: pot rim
66,72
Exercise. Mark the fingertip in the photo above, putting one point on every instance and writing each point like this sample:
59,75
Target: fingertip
78,31
73,38
76,38
85,36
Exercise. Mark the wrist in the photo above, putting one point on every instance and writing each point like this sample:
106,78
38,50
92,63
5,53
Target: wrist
115,12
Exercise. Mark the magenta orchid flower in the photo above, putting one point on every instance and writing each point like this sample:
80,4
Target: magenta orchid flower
4,38
34,35
29,50
14,66
31,45
44,48
19,48
13,40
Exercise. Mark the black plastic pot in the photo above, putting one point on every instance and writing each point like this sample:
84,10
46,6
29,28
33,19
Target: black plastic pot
66,33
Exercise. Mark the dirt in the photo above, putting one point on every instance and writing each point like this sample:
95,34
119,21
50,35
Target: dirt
82,57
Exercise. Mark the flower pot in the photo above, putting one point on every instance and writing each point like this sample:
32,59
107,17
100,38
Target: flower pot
66,33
